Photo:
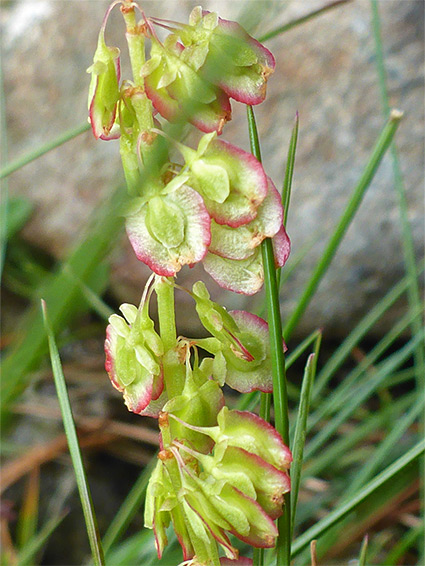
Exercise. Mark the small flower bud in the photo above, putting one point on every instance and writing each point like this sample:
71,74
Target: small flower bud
104,88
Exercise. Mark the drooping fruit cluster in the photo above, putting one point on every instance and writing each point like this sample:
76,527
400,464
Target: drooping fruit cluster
219,471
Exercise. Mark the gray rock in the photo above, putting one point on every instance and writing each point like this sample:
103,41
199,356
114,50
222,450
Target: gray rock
325,70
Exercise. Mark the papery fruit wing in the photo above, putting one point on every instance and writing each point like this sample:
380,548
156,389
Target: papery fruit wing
244,276
168,260
248,431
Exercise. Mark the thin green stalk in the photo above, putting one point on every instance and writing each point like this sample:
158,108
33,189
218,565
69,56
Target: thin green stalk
378,153
173,378
42,149
342,511
258,557
135,42
167,323
301,20
280,395
74,447
4,189
301,431
289,171
363,551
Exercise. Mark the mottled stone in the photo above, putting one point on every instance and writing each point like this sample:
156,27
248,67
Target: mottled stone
325,70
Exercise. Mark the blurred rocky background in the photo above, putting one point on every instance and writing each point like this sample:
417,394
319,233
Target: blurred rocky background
325,70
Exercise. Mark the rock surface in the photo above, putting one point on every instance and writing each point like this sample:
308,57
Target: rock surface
325,70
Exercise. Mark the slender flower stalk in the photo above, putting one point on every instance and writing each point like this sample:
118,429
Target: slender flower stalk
280,395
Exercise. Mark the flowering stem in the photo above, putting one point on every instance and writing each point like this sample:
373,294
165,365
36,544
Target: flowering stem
136,48
167,327
135,41
280,396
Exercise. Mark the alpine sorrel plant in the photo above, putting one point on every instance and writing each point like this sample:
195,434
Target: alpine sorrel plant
219,471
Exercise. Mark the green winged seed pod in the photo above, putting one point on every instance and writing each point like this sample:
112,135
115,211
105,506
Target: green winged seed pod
169,229
241,242
246,276
225,54
251,433
238,493
241,347
231,181
178,92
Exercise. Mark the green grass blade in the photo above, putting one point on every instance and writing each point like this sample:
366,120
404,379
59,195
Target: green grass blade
287,182
347,442
340,512
363,551
93,300
300,432
74,447
129,508
17,213
387,445
280,395
27,554
338,397
289,171
366,323
61,293
4,189
302,20
138,549
362,392
43,149
402,546
375,159
26,527
414,294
